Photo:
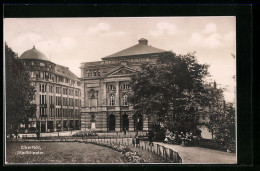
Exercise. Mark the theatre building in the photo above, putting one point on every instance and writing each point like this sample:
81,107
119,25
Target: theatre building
57,96
105,89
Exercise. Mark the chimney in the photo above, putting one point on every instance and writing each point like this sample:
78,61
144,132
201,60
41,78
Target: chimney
143,41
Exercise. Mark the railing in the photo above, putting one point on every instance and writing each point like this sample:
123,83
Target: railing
167,154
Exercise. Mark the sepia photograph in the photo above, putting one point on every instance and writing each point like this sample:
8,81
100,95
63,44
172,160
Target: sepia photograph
120,90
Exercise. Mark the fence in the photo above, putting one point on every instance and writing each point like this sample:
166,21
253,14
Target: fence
168,154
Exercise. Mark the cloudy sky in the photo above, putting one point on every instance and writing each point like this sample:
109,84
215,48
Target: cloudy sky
71,41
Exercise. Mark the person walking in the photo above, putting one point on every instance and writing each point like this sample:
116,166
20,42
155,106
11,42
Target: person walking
16,134
150,136
38,134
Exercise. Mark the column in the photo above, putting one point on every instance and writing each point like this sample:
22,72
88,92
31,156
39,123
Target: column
117,128
117,94
48,105
104,94
131,122
54,102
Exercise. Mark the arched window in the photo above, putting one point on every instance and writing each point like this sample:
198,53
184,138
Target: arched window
112,100
125,101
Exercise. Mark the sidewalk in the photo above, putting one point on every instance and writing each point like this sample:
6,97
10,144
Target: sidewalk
197,155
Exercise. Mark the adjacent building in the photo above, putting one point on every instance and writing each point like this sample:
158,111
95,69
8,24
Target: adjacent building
105,89
57,96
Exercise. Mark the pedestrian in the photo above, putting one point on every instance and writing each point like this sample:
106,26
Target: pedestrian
137,141
133,141
150,136
38,134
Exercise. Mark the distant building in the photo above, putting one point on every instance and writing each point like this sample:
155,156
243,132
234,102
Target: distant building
204,113
105,89
58,94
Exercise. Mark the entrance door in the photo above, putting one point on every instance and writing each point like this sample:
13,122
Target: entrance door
111,122
125,122
43,127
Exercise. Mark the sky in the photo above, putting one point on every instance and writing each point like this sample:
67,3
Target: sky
71,41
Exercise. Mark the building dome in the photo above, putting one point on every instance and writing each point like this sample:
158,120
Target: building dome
34,54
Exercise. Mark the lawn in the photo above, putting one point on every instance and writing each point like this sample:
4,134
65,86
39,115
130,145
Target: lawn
60,152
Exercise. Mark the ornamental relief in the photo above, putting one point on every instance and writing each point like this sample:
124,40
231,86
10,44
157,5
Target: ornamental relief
123,72
92,94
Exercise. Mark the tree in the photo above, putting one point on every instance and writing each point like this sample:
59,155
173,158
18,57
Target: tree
216,108
221,122
19,92
169,91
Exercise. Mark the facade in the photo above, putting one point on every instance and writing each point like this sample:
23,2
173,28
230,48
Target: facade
105,89
57,96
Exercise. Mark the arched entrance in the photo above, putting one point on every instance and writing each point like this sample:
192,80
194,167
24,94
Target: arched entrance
125,122
111,122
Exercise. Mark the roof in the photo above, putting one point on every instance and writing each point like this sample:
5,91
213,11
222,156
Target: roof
138,49
34,54
65,72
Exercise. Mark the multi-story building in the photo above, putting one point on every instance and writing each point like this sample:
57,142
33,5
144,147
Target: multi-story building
57,96
105,89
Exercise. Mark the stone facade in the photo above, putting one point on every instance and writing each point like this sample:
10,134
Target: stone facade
105,89
57,96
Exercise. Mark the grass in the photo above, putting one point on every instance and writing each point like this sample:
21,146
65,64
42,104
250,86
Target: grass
61,152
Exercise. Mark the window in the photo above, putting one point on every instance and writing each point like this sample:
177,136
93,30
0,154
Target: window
42,111
58,90
65,101
51,100
112,100
124,86
76,92
203,117
51,112
95,73
42,87
65,91
58,100
51,88
71,102
125,101
42,64
58,112
111,87
42,99
70,92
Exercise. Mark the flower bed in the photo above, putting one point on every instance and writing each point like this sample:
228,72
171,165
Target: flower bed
130,156
84,134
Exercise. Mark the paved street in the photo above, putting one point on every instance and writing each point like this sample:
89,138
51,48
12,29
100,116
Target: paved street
202,155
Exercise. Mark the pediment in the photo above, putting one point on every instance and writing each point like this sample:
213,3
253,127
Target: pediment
123,71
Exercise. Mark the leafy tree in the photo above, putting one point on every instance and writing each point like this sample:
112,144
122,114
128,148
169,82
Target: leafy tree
221,119
216,108
169,91
19,92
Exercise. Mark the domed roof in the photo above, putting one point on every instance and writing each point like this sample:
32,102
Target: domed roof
34,54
